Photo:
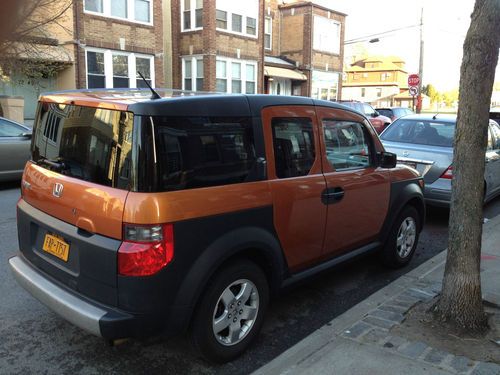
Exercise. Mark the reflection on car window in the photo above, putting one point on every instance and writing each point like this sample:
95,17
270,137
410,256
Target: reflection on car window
92,144
293,146
423,132
368,109
196,152
8,129
346,144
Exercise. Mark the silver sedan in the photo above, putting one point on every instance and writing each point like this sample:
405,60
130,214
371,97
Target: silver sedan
425,142
15,140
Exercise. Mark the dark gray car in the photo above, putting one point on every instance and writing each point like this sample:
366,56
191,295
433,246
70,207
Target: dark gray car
15,140
425,142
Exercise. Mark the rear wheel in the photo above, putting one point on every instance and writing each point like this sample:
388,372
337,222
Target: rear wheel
403,238
231,312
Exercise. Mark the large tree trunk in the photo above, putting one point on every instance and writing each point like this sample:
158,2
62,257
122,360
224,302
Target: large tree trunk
461,300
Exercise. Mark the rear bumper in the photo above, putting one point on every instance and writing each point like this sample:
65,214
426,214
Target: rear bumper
91,317
438,193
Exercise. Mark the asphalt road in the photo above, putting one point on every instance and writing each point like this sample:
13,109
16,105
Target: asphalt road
33,340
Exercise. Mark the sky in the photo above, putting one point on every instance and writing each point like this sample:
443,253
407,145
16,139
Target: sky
445,25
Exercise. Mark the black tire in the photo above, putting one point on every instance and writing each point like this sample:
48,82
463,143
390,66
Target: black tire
205,340
394,255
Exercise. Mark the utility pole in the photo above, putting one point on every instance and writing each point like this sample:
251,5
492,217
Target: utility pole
421,62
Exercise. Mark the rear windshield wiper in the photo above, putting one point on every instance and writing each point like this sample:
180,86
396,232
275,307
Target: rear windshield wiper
56,165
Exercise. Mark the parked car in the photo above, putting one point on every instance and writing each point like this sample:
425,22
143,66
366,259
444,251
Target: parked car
425,142
495,114
378,121
142,216
395,112
15,140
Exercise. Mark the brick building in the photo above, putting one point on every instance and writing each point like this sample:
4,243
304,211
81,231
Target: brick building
256,46
116,39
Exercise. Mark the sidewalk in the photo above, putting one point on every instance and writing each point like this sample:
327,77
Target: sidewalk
359,342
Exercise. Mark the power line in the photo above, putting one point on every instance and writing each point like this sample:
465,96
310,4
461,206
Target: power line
368,37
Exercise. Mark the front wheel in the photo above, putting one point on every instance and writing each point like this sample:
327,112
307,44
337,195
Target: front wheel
403,238
231,312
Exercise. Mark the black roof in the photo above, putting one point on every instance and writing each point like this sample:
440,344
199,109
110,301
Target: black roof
222,105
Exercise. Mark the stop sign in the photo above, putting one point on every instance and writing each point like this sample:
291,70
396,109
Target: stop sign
413,80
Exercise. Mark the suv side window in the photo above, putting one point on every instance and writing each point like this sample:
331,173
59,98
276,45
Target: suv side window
197,152
347,146
293,143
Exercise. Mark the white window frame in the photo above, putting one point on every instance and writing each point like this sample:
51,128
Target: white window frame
108,66
268,32
318,37
239,8
192,16
229,63
106,12
194,71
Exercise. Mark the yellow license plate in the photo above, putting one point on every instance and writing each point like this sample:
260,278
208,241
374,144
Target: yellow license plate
56,246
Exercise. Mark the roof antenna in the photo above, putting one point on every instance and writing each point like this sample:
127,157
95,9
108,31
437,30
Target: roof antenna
154,94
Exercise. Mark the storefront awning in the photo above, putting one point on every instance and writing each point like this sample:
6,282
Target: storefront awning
295,75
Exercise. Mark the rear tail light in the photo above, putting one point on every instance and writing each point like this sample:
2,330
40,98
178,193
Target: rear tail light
448,174
145,249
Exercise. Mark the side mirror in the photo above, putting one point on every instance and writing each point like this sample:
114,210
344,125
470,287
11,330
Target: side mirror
26,135
375,114
387,159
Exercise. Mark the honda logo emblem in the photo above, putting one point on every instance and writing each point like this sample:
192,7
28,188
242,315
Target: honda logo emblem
58,190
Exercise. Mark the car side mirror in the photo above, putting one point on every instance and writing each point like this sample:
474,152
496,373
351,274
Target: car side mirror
375,114
387,159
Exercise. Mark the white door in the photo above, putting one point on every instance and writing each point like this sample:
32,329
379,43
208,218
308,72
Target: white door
281,86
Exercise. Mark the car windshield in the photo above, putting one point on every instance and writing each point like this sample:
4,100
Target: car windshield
423,132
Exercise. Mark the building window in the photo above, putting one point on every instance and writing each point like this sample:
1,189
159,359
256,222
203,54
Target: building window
221,19
379,92
268,33
95,70
119,8
236,78
188,81
237,17
116,69
192,14
250,79
130,10
221,76
385,76
237,21
325,85
120,71
94,6
192,73
143,65
326,36
251,26
241,74
363,92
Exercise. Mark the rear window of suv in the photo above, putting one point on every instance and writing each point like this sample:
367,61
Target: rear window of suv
92,144
196,152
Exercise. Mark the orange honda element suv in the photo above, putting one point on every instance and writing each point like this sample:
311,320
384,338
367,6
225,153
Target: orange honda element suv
184,213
